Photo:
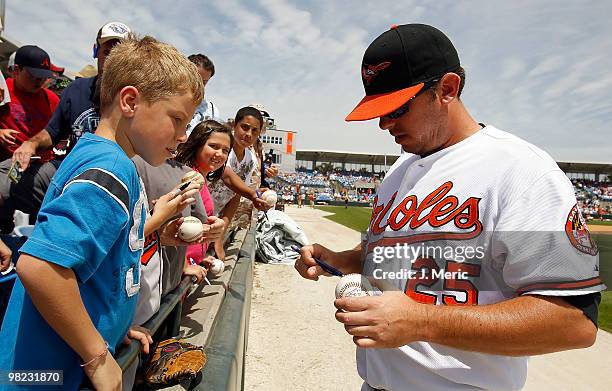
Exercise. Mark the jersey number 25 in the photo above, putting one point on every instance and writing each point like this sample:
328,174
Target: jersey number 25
427,274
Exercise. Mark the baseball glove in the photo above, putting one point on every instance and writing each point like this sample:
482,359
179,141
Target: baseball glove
174,360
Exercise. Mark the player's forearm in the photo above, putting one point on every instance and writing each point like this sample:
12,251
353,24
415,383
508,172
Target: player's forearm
55,294
523,326
41,141
349,261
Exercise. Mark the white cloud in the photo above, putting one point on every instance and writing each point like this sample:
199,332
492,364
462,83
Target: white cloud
535,68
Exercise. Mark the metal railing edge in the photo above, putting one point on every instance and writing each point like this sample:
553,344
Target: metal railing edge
226,345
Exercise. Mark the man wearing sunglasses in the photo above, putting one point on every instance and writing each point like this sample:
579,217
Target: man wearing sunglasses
517,259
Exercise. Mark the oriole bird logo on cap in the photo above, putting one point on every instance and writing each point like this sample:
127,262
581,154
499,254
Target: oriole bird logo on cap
370,71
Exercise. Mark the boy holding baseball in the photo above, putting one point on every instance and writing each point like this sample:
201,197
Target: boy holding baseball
79,273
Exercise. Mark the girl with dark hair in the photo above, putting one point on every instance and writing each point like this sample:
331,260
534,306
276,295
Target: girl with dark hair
207,148
248,125
244,163
206,151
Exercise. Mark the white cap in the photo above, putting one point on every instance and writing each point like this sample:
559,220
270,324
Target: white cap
261,108
258,106
11,61
112,30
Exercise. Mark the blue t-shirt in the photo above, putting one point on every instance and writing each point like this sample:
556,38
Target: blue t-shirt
76,114
92,221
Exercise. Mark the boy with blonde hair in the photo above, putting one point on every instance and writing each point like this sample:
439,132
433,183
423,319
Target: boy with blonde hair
79,273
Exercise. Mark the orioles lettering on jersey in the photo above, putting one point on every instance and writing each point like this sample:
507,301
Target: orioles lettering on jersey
437,209
443,209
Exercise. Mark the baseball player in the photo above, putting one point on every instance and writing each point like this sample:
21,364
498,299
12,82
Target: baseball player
475,237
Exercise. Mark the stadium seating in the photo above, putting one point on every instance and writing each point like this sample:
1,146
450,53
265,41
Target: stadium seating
594,198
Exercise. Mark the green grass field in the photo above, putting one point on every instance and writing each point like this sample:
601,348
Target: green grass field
599,222
604,243
605,311
354,217
358,218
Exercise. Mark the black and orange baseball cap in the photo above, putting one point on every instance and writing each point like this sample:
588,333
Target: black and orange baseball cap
398,63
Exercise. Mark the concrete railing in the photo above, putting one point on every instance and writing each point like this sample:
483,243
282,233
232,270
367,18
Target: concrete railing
215,316
218,317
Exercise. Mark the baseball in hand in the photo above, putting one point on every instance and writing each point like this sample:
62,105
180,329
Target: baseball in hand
217,267
270,197
193,176
190,229
355,285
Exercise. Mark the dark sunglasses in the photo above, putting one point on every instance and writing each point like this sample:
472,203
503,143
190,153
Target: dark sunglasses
403,109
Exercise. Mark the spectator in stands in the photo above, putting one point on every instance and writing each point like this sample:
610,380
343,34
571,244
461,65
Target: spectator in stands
244,212
76,114
165,264
78,273
206,109
166,207
593,197
30,108
206,151
31,104
267,169
188,154
242,161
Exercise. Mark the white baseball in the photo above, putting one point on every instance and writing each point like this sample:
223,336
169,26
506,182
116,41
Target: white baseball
190,229
355,285
10,269
270,197
217,267
193,175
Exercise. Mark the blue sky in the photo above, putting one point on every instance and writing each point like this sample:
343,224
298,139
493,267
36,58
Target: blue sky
536,68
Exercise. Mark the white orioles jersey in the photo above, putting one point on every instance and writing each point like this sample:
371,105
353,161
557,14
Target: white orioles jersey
485,220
